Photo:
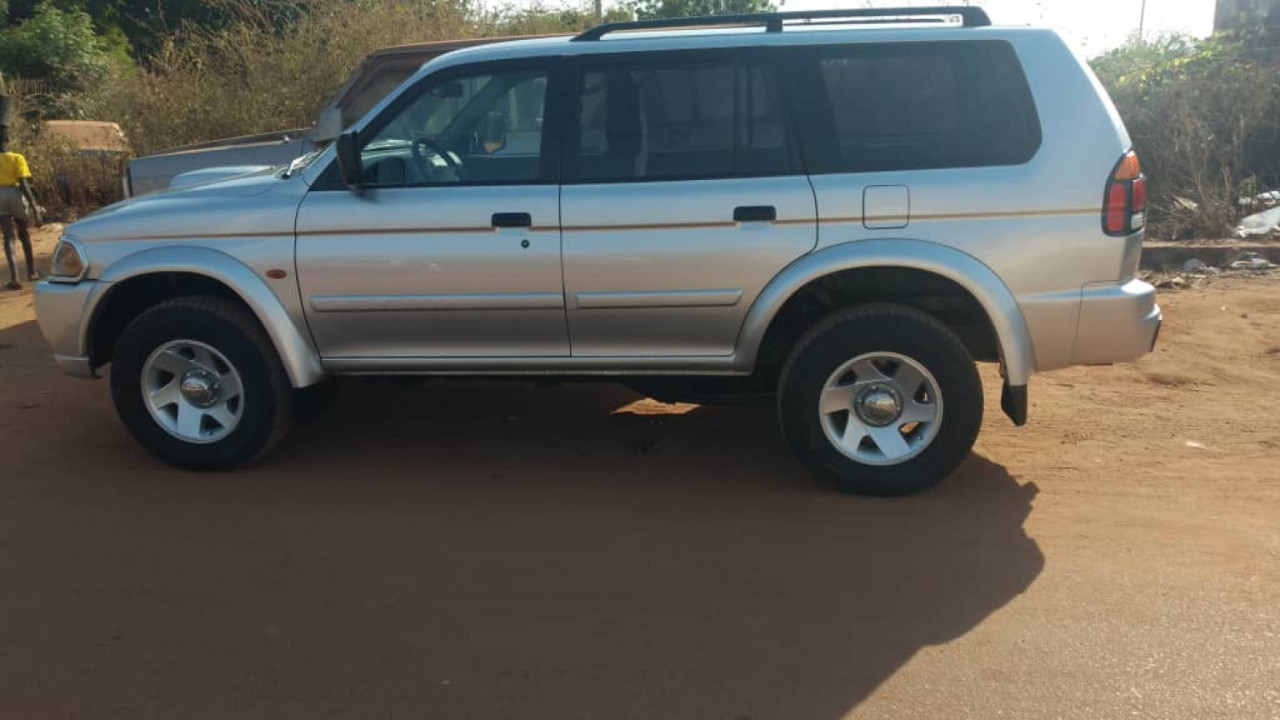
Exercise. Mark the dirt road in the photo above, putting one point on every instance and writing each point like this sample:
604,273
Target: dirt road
472,550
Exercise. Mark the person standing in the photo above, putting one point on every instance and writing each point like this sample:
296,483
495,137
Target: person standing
18,208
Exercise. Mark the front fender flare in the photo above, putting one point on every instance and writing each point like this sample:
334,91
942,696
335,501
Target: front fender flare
300,359
1001,307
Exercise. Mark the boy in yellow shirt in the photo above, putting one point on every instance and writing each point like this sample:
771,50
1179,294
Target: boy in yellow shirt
17,208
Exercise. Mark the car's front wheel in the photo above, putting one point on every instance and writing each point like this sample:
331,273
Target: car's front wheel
881,399
196,381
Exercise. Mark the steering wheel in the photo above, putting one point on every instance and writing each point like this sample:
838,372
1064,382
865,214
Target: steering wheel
423,146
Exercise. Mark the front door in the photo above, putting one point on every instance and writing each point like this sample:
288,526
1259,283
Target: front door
684,196
452,249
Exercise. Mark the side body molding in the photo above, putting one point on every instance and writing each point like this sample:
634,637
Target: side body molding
965,270
297,354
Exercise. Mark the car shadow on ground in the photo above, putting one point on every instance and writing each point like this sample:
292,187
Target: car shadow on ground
479,549
674,553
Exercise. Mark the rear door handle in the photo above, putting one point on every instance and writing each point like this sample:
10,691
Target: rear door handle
512,220
755,213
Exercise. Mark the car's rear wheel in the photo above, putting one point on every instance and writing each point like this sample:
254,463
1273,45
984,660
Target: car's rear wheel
196,381
881,399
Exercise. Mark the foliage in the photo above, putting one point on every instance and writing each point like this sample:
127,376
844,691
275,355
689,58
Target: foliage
539,19
1203,118
254,76
651,9
65,182
144,23
60,50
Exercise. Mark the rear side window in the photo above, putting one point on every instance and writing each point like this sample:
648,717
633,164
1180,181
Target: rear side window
913,106
674,120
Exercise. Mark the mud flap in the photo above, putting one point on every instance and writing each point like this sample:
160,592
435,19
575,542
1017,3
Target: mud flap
1013,400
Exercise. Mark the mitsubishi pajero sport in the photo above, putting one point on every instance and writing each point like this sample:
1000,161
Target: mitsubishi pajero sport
842,210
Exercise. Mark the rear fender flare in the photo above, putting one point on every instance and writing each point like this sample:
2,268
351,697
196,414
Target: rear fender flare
1016,351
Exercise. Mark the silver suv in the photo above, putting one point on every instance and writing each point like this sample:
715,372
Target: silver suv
842,210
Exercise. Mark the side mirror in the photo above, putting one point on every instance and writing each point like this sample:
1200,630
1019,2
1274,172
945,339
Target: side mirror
328,125
492,132
349,163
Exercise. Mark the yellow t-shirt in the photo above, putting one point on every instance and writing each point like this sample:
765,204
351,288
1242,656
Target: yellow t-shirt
13,167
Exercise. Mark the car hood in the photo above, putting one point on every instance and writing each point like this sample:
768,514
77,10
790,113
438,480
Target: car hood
246,205
207,175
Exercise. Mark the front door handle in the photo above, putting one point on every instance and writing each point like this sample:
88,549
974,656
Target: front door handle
755,213
512,220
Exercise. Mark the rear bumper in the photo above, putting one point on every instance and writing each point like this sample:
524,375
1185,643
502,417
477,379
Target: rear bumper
1117,323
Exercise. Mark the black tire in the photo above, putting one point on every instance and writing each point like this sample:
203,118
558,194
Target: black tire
231,329
856,331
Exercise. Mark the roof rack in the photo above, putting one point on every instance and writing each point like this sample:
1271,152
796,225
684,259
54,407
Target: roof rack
970,17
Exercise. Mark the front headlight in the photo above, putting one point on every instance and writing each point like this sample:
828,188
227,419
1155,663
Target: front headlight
69,262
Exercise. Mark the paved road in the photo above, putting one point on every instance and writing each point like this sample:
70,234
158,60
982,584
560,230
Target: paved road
465,550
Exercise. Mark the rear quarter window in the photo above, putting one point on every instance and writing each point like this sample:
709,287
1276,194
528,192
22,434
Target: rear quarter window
914,106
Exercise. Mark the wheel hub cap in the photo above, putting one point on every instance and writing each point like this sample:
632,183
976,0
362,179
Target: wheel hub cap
880,408
193,391
878,405
200,389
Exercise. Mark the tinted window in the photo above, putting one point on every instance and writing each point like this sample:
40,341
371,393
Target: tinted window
470,129
677,120
921,105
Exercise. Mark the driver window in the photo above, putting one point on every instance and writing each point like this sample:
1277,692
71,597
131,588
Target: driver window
476,129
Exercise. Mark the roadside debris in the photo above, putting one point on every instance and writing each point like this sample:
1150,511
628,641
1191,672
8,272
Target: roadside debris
1252,261
1194,272
1259,224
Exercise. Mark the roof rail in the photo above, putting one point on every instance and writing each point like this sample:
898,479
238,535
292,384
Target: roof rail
970,17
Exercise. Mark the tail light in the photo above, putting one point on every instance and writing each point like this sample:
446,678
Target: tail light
1125,202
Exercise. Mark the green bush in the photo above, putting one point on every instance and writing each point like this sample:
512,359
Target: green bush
60,50
1203,115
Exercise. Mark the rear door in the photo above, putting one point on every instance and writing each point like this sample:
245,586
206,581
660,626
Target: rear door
683,196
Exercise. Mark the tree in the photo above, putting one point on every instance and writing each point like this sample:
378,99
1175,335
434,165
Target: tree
58,49
651,9
144,22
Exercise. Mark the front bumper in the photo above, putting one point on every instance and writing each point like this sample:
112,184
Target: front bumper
1117,323
61,312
